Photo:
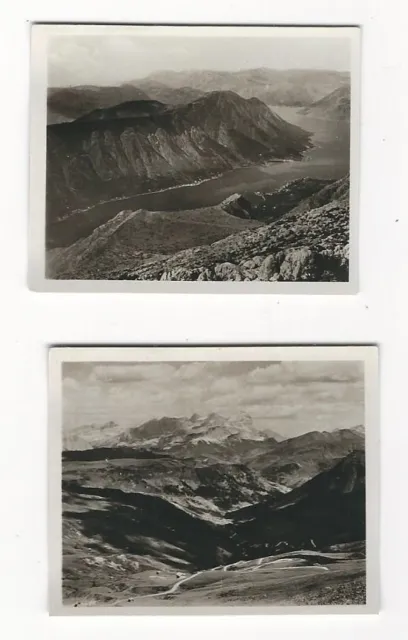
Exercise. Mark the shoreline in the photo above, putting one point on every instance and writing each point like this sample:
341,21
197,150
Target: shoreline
179,186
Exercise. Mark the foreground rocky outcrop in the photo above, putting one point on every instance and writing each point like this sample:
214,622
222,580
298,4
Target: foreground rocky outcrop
268,207
304,245
134,237
309,243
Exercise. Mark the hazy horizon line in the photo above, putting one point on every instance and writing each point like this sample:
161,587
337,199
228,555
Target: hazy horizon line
204,69
225,417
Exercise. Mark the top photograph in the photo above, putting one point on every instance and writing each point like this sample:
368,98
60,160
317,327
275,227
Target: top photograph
194,159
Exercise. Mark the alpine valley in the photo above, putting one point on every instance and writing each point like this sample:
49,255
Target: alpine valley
211,510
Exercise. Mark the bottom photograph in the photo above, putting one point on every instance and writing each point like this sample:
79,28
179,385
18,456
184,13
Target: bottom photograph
213,479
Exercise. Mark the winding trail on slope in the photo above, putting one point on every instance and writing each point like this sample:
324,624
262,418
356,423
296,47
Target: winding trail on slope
258,565
172,589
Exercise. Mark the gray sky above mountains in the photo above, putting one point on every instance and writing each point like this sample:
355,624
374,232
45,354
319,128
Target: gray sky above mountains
112,59
287,397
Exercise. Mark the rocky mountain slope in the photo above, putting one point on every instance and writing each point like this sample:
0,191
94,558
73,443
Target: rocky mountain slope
169,433
198,498
330,508
118,541
107,156
268,207
207,490
306,245
133,237
288,87
214,440
310,242
296,460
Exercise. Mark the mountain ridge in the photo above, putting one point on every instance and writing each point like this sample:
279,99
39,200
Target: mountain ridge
101,159
292,87
306,244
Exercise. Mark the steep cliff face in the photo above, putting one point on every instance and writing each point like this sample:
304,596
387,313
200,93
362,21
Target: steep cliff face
131,149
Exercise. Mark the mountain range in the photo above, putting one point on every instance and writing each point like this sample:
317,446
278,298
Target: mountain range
68,103
214,502
141,145
214,440
291,87
131,526
330,507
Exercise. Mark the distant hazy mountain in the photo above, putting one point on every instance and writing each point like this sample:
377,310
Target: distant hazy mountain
168,432
275,87
335,105
133,109
293,87
88,435
108,155
169,95
68,103
214,439
298,459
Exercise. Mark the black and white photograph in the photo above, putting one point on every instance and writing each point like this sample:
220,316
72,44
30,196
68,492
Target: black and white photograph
213,479
194,158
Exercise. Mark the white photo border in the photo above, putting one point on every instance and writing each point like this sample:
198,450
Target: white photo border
40,35
366,354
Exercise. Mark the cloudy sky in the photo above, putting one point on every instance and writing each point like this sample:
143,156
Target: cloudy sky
112,59
287,397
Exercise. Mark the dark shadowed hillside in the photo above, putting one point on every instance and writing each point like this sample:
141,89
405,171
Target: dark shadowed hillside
268,207
68,103
330,508
106,156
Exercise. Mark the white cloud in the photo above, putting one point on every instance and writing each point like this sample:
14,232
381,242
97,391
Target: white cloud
289,397
106,59
133,372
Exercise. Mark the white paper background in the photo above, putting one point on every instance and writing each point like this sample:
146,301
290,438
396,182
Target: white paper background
30,320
